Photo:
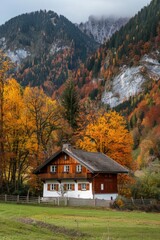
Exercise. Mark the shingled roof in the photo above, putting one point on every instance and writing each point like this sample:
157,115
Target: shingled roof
95,162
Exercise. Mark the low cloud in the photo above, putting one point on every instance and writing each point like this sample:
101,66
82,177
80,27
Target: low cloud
74,10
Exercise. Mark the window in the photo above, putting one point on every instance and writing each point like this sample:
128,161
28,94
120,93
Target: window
102,186
78,168
52,187
83,186
53,168
66,168
69,187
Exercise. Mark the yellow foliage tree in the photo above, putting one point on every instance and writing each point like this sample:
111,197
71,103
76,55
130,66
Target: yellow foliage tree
4,67
16,136
30,120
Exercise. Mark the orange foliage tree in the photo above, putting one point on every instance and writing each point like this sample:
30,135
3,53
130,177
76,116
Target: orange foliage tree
108,134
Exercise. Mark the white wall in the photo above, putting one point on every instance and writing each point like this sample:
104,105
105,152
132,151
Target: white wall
75,194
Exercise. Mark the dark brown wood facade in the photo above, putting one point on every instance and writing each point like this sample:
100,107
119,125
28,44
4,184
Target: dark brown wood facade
104,183
101,182
61,161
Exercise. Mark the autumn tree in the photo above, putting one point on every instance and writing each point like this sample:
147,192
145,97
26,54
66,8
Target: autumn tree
4,67
43,118
17,137
108,134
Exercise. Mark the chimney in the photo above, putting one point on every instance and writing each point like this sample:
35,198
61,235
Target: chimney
66,146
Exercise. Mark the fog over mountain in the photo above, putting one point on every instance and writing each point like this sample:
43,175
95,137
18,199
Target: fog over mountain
75,11
101,29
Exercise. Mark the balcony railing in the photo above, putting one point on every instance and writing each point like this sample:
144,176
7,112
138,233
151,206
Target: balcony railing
65,175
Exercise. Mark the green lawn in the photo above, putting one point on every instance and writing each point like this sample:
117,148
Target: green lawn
22,222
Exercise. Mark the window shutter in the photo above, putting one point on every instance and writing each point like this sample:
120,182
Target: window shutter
73,187
56,187
48,187
87,186
79,186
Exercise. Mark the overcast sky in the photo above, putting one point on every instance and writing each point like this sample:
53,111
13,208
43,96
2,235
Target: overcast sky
75,10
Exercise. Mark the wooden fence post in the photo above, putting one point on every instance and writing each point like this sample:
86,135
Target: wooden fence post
5,197
27,199
39,199
142,200
132,201
17,198
65,201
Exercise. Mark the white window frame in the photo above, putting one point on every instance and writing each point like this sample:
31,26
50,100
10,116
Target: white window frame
53,168
66,168
69,186
102,186
83,187
53,187
78,168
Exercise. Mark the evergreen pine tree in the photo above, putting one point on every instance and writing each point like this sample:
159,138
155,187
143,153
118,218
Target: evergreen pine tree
70,102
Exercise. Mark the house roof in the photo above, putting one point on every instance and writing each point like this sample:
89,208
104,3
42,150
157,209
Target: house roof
95,162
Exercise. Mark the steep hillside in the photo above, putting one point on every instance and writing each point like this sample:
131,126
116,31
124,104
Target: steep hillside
131,81
44,46
120,68
101,29
144,124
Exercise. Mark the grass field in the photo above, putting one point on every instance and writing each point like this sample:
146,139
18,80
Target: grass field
22,222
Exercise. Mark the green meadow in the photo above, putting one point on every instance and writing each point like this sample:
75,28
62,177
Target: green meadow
25,222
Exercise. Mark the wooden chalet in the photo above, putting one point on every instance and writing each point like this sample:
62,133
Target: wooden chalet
80,174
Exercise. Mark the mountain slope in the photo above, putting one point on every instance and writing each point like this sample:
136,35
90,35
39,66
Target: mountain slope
131,80
45,46
101,29
128,59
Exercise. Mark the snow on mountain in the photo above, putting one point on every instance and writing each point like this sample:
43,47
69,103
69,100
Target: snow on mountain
3,43
103,28
56,47
129,81
17,55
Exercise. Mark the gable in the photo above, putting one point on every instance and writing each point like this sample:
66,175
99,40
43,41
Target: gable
60,160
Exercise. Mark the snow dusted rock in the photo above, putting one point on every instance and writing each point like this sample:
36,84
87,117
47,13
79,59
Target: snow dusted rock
102,28
126,84
56,47
152,65
3,43
130,80
17,55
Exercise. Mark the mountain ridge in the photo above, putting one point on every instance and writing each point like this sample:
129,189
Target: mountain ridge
44,46
101,29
